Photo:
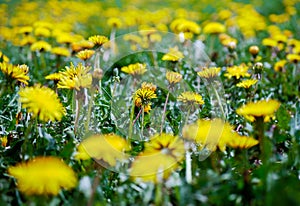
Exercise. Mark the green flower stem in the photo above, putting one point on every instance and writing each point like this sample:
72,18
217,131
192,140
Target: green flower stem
131,120
159,194
164,113
188,166
219,101
142,129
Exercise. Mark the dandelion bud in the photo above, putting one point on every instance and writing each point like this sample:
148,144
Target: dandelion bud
254,50
98,74
258,65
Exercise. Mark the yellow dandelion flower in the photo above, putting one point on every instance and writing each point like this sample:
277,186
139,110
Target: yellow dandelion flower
54,76
28,40
279,66
40,46
254,50
295,58
209,73
149,86
237,71
162,155
242,142
42,102
80,45
108,148
75,77
191,98
114,22
185,26
4,141
134,69
18,73
25,30
209,133
262,108
173,77
3,57
66,38
43,176
60,51
214,28
98,40
143,96
173,55
85,54
247,83
42,32
269,42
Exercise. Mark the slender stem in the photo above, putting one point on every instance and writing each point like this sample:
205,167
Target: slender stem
142,129
94,188
219,101
164,113
138,115
188,166
89,110
131,120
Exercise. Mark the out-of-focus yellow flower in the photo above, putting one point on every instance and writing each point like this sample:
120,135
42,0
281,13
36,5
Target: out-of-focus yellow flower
269,42
262,108
42,102
173,55
182,25
209,133
209,73
81,45
18,73
25,30
54,76
190,98
224,14
42,32
109,148
149,86
27,40
66,38
254,50
3,141
75,77
173,77
295,58
114,22
237,71
45,24
242,142
279,65
60,51
3,57
134,69
279,18
162,155
43,176
98,40
40,46
280,38
85,54
214,28
247,83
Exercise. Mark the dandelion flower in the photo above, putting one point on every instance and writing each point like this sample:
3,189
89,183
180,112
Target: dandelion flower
60,51
3,57
295,58
279,65
149,86
242,142
143,96
173,77
43,176
134,69
214,28
75,77
191,98
173,55
247,83
80,45
209,133
269,42
209,73
114,22
42,32
237,72
85,54
40,46
54,76
162,155
42,102
262,108
98,40
254,50
109,148
18,73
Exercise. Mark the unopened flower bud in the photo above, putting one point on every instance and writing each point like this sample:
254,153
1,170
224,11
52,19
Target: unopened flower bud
254,50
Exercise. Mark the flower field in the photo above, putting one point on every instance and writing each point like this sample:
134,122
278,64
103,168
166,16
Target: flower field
149,102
